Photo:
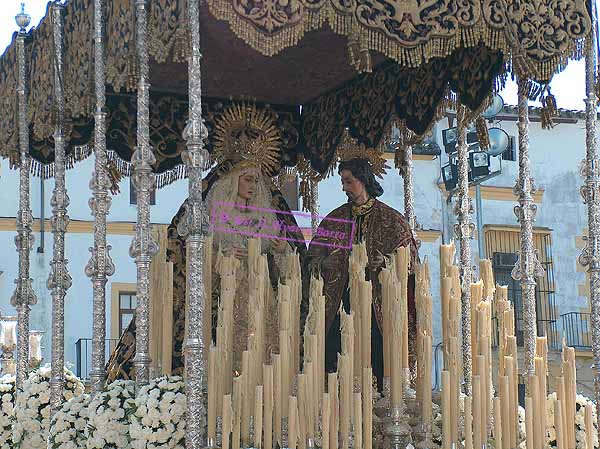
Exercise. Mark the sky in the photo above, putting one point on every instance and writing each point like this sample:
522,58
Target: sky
568,87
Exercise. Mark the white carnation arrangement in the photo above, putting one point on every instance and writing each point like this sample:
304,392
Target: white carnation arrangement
580,430
32,408
7,410
68,426
159,419
437,422
109,416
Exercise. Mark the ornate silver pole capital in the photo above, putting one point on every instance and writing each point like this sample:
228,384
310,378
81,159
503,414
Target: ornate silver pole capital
143,247
100,265
59,280
464,231
24,295
527,266
590,255
195,226
23,19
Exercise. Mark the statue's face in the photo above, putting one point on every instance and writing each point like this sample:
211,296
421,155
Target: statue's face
352,187
247,185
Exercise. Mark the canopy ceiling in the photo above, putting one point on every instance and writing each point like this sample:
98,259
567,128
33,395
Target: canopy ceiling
293,53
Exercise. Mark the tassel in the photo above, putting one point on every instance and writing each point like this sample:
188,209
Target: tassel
549,111
399,159
115,176
182,45
482,133
359,55
132,70
13,158
305,194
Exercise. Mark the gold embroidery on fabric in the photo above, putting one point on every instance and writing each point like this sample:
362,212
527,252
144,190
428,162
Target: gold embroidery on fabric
363,208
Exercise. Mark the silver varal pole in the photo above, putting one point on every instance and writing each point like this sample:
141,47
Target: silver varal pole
59,280
314,219
527,266
143,246
194,226
464,231
590,256
24,295
100,265
409,192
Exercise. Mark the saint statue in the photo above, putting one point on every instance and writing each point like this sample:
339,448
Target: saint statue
239,205
382,228
243,203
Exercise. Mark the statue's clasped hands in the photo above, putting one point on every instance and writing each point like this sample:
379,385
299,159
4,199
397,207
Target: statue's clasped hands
238,253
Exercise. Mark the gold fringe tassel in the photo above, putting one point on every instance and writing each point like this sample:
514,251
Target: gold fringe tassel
483,135
549,111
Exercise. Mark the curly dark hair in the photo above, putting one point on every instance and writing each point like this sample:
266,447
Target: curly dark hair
361,170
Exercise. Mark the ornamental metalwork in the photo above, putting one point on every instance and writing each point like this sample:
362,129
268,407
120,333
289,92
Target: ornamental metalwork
464,232
24,296
527,267
100,265
194,225
143,247
590,256
59,280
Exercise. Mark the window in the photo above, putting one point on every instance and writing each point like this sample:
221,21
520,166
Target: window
127,305
133,194
289,190
123,302
502,244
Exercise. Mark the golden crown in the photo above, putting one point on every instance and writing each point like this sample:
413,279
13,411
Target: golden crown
349,148
247,136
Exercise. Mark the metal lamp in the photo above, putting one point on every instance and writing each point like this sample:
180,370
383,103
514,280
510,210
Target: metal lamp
494,109
479,163
450,175
499,141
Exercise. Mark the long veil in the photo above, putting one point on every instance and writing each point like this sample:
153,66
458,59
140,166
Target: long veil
120,364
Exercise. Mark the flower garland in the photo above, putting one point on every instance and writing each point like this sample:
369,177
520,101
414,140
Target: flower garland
32,409
159,419
109,415
7,410
67,430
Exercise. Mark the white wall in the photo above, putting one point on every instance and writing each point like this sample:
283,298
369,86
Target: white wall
78,303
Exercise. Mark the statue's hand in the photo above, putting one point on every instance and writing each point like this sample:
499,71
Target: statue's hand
239,253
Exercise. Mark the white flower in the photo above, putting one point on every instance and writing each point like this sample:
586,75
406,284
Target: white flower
159,420
68,424
109,414
32,410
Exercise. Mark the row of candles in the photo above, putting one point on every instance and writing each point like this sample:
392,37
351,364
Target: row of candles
277,398
8,344
487,417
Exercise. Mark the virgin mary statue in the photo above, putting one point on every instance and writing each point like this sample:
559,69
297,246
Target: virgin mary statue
243,204
240,205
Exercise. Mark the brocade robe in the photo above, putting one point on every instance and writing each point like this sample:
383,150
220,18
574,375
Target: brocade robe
383,229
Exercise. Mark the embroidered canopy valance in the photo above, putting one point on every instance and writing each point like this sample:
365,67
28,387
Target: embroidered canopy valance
412,56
